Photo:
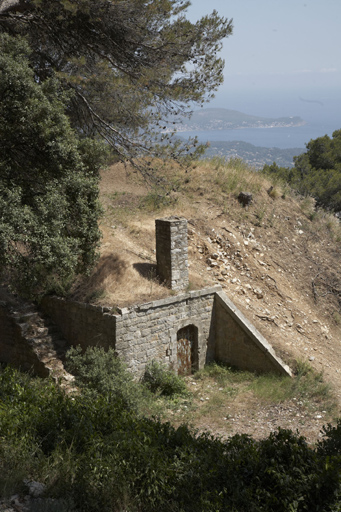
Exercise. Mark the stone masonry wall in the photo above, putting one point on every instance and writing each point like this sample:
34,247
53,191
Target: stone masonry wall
82,324
146,332
149,331
239,344
141,333
172,252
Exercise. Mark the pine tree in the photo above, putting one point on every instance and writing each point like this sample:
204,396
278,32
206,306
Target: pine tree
134,65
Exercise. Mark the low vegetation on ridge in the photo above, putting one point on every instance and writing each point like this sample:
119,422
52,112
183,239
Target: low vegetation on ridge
316,172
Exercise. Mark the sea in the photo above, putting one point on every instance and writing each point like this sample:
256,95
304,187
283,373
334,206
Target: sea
321,117
295,137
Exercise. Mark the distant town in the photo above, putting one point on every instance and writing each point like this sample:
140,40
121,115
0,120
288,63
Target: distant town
255,156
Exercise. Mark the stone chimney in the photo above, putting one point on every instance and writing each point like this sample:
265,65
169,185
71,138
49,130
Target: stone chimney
172,252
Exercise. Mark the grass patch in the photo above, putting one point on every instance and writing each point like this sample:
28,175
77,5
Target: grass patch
221,399
234,175
325,222
274,193
337,317
155,200
95,295
307,385
223,375
260,214
307,205
215,388
221,177
119,214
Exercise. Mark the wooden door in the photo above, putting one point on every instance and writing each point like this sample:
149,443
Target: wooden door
186,348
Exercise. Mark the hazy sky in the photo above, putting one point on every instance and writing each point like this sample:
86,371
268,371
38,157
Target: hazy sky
292,46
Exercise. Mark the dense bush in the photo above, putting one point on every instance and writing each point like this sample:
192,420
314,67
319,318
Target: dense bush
317,172
49,176
102,373
158,379
96,453
331,442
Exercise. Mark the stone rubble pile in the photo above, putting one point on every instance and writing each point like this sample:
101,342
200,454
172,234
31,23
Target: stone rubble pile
225,255
32,499
240,264
39,345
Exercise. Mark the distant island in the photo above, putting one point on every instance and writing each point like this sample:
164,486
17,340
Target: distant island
208,119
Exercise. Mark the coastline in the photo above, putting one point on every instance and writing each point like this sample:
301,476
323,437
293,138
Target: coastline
230,126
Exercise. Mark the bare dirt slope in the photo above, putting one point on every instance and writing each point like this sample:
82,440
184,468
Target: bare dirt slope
278,260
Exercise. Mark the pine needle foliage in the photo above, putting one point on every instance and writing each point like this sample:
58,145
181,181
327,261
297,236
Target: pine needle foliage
132,64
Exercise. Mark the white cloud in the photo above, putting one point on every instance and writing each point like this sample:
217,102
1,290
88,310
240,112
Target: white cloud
328,70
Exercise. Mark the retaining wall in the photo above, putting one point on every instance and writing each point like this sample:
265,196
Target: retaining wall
141,333
147,332
82,324
239,344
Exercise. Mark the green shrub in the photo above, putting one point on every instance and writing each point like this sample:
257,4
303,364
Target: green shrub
97,455
100,372
49,177
158,379
156,199
331,442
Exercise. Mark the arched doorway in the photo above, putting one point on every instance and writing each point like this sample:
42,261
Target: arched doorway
187,350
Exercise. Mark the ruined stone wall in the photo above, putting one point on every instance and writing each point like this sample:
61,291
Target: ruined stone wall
8,332
15,347
141,333
152,331
82,324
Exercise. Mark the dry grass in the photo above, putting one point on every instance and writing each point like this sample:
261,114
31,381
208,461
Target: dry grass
277,245
205,195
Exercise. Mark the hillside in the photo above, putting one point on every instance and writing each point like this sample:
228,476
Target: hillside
277,260
225,119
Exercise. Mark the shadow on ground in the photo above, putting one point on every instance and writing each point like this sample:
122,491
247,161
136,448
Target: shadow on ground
147,270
